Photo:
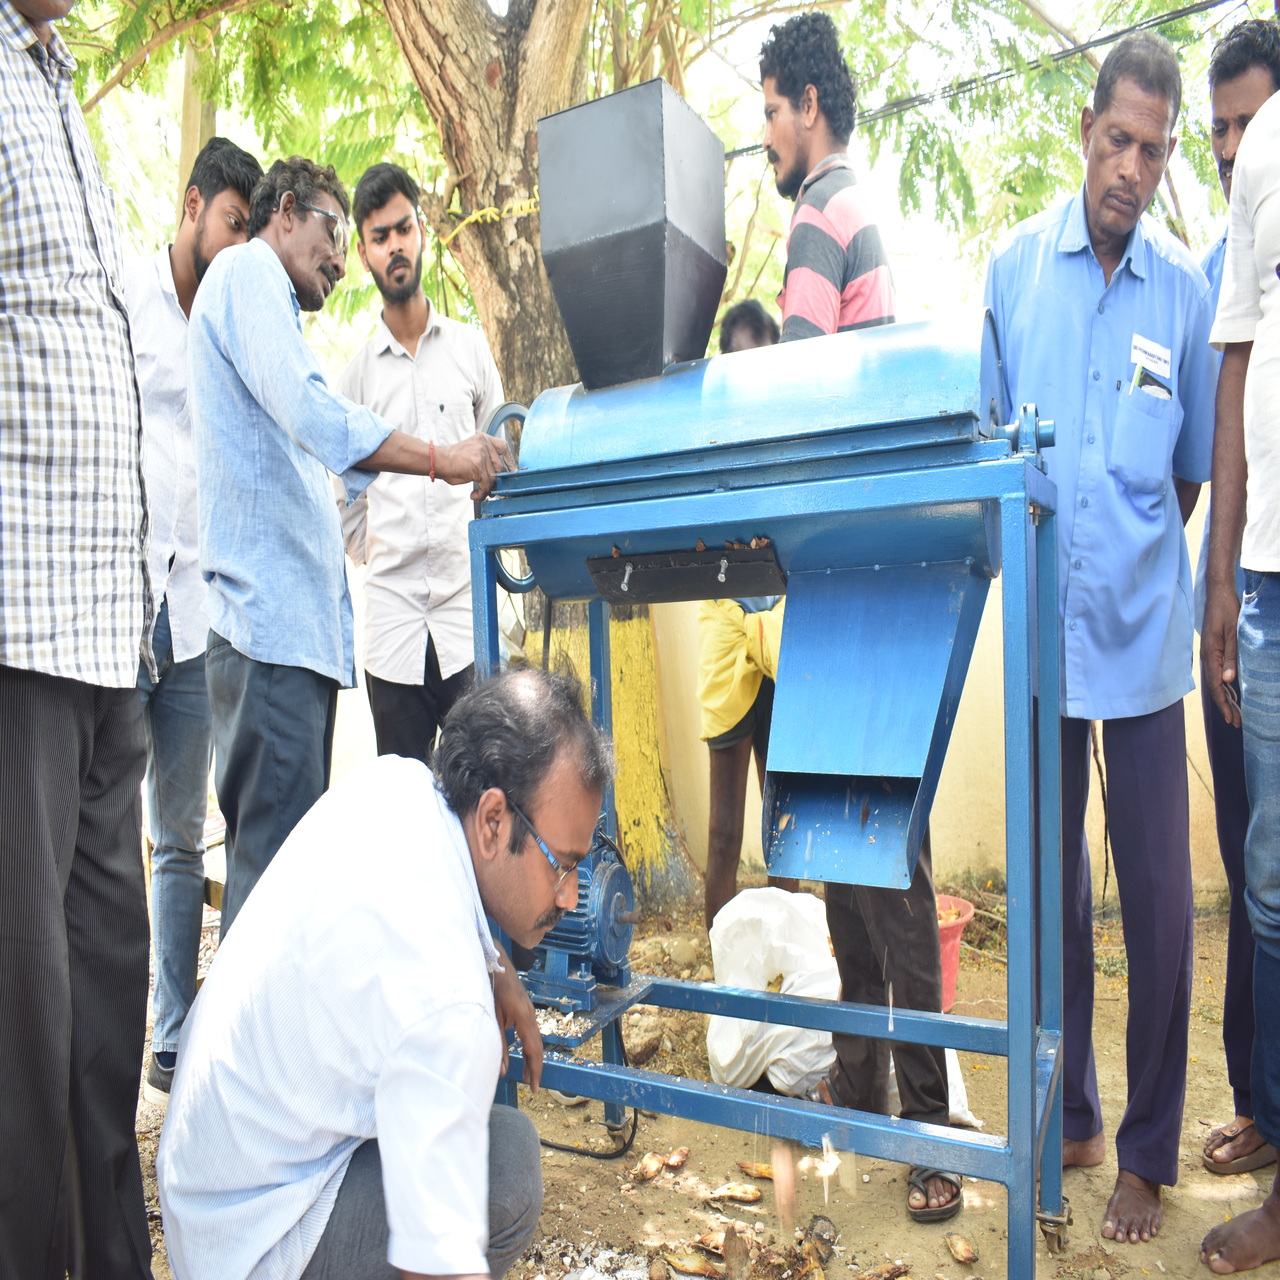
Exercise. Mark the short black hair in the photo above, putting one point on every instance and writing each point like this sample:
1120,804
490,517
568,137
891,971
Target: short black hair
748,314
378,183
304,178
806,50
222,166
1255,42
508,732
1150,62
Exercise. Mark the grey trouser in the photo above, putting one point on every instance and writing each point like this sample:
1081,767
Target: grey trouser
354,1244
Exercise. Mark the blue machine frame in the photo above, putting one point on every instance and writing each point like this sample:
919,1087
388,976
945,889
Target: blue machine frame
650,502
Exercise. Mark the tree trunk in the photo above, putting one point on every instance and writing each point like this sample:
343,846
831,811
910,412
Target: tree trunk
199,116
486,80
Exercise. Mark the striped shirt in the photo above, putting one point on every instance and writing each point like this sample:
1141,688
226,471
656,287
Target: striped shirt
837,277
73,593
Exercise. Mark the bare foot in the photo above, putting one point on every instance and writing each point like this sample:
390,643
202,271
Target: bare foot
1134,1211
1245,1242
1231,1141
939,1190
1084,1153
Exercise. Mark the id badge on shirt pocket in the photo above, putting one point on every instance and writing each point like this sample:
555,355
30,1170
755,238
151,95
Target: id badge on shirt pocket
1142,440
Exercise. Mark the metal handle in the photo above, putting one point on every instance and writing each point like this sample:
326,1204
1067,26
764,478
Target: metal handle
516,586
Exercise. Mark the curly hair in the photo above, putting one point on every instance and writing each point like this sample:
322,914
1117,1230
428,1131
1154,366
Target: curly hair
304,178
1252,43
806,50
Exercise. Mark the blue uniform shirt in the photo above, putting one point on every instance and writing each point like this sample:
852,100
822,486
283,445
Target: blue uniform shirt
1126,373
266,427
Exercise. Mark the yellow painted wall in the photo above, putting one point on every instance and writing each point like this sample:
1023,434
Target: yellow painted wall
646,833
968,816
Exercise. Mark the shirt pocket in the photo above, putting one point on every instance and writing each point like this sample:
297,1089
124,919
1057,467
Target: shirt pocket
1142,440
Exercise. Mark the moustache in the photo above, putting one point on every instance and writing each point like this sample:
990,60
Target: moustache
772,156
398,261
549,919
329,273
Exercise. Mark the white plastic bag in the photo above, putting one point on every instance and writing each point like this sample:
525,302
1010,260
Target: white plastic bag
758,936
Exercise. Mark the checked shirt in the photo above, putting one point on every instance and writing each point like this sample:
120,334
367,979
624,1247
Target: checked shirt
73,593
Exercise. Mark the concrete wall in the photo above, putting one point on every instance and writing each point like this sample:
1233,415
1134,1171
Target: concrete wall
968,816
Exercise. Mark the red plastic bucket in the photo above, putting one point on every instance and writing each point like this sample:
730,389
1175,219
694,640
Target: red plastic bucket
949,932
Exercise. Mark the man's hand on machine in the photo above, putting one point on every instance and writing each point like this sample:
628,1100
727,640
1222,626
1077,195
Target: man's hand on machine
480,459
514,1009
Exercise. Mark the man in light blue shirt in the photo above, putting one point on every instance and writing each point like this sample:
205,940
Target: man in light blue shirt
1103,320
268,430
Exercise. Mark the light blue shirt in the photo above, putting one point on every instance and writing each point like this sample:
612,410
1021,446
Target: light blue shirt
1094,358
267,426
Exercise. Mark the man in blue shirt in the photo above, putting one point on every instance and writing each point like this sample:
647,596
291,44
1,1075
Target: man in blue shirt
1103,320
1244,72
268,430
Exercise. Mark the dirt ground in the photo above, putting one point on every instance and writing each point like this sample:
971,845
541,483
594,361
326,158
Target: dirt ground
599,1219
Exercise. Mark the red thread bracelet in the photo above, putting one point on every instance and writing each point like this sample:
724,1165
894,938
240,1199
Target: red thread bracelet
432,475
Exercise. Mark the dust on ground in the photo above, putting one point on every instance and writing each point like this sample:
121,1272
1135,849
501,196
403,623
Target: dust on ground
599,1219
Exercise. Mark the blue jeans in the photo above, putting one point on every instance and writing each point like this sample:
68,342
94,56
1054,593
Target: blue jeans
1259,656
179,732
1259,662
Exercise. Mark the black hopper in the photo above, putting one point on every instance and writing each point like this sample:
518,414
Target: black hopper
632,216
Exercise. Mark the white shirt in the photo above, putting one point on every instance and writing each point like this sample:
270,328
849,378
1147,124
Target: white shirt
1249,311
158,331
351,1000
412,533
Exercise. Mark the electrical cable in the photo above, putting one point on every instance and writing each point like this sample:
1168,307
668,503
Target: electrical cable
900,106
602,1155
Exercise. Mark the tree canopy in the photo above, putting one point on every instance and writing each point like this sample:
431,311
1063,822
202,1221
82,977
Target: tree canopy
975,101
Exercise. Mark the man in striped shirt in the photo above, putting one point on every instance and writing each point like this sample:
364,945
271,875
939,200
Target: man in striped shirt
837,277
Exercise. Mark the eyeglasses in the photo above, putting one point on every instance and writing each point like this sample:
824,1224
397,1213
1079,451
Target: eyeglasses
337,229
556,864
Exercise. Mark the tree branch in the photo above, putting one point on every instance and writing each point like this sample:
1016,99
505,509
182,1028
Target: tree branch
161,37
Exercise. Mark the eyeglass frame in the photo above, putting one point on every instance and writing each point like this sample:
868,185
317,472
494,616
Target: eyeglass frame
337,219
556,864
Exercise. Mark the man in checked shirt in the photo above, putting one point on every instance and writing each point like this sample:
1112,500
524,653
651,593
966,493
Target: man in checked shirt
837,279
74,607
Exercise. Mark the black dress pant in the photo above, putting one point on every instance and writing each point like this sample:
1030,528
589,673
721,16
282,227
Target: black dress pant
887,939
407,716
73,979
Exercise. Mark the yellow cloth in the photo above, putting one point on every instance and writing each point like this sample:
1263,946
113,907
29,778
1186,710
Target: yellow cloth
736,650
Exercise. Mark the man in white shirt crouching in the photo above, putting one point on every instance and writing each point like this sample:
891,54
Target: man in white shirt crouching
332,1112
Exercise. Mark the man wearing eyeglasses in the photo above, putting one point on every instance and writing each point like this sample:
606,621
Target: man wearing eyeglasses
268,431
332,1112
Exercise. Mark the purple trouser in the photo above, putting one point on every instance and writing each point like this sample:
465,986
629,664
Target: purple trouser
1147,815
1231,809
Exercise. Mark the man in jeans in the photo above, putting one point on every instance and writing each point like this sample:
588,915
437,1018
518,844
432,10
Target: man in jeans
268,431
175,705
1244,636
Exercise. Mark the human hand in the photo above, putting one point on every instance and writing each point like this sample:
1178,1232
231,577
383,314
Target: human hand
1218,659
515,1010
480,459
